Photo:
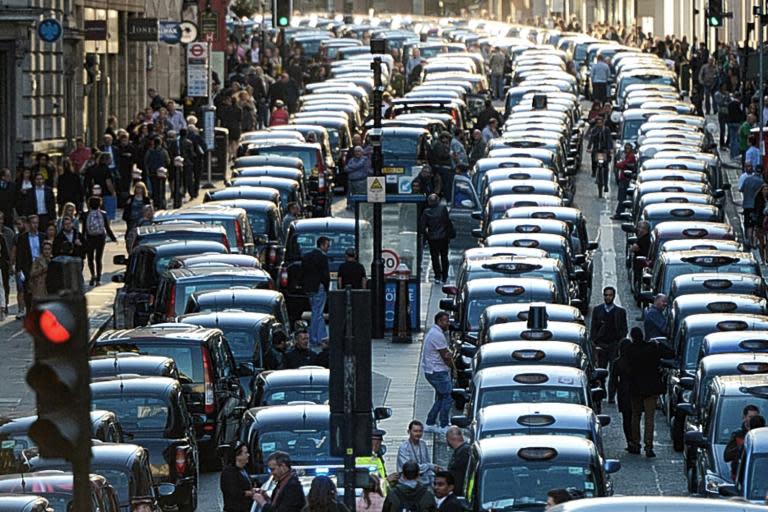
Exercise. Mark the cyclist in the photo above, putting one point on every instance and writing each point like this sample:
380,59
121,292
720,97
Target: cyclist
600,141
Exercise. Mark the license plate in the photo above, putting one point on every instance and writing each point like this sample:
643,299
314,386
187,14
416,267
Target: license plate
393,170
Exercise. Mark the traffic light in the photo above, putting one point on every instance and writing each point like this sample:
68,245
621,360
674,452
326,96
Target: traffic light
715,13
60,376
281,13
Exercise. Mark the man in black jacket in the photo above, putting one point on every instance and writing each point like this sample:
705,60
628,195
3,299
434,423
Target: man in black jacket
7,195
457,466
444,488
437,228
28,247
288,495
40,201
300,354
645,386
316,279
127,156
607,327
735,446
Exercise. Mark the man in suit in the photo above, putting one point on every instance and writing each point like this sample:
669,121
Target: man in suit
40,202
607,327
444,496
288,495
457,466
316,280
25,252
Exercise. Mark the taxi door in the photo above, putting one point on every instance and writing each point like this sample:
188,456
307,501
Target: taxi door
462,201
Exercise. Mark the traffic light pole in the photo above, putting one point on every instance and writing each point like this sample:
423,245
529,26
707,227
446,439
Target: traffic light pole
761,122
377,265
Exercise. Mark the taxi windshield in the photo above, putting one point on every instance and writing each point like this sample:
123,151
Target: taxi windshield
729,418
307,447
532,431
631,127
758,481
400,146
136,413
526,483
283,396
340,242
308,155
739,266
189,360
242,342
531,394
476,307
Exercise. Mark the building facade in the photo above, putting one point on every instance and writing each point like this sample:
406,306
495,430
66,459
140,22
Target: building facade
51,93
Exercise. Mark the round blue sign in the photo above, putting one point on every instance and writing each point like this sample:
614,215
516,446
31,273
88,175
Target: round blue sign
49,30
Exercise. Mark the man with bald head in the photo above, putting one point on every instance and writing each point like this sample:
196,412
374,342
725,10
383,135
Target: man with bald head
459,459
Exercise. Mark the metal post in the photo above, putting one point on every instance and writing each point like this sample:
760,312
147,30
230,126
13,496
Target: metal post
350,373
377,266
209,124
761,121
81,481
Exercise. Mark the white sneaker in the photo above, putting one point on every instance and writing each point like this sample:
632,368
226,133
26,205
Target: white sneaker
430,428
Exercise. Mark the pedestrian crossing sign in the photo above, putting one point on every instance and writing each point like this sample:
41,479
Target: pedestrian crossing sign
376,189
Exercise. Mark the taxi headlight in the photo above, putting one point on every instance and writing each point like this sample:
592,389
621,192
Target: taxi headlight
712,482
616,117
687,395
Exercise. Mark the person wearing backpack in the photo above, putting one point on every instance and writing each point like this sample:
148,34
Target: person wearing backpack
96,228
409,495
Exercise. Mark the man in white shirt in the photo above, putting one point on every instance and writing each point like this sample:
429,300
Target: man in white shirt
414,449
175,117
437,364
599,74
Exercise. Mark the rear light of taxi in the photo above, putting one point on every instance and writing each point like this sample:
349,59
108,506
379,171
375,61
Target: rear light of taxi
208,382
283,277
272,256
239,236
170,310
225,241
181,461
321,172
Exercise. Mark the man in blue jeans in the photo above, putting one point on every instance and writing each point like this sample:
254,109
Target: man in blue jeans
316,282
437,365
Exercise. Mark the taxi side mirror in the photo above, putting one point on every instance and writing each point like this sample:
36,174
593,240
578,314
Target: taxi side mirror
669,364
579,259
725,186
477,233
686,382
118,278
646,296
695,439
599,373
604,420
382,413
598,394
447,305
686,408
632,239
460,421
246,369
718,193
611,466
468,350
120,259
727,490
165,489
450,290
593,245
460,395
627,227
627,203
578,274
627,216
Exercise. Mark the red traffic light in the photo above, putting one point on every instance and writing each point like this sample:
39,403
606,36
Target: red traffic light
52,328
50,322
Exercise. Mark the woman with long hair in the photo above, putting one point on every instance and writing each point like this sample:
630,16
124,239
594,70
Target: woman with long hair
372,499
322,497
96,228
133,211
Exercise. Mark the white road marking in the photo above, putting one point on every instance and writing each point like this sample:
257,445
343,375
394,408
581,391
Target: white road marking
609,276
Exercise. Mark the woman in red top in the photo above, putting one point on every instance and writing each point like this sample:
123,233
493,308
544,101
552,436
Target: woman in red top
628,163
279,114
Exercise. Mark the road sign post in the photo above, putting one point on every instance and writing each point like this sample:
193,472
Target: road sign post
378,47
